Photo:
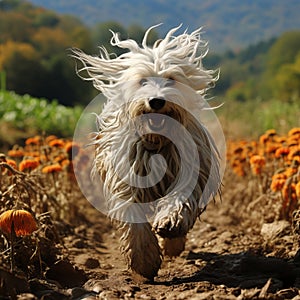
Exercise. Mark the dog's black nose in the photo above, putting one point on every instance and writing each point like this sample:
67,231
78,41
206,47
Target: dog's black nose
157,103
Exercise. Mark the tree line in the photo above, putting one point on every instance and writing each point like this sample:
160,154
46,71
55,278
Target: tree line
267,70
34,45
34,50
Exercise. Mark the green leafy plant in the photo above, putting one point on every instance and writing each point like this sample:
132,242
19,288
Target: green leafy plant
26,112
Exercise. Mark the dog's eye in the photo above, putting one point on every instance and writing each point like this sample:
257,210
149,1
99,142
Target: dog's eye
143,81
170,82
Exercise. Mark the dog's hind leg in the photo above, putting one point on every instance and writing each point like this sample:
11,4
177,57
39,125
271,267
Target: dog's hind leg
141,249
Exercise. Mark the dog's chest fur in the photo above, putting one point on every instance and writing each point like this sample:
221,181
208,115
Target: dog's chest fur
144,163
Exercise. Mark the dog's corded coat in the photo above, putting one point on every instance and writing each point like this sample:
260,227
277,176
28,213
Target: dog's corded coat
154,96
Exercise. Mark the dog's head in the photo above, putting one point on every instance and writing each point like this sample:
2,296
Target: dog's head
155,84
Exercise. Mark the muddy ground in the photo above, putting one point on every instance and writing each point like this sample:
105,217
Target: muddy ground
239,249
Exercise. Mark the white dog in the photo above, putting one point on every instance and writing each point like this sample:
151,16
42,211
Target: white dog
158,164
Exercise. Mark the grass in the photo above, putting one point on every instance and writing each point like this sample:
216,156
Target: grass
252,117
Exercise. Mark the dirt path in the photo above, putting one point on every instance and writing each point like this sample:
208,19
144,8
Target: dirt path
241,248
238,250
227,256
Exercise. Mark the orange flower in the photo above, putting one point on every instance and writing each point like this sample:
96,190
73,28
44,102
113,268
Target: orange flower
42,158
21,221
271,132
280,139
283,151
50,138
15,153
277,184
56,143
36,140
272,147
11,163
238,150
65,163
296,160
289,192
257,160
238,168
263,139
290,171
294,131
279,176
52,168
267,136
28,165
294,152
60,158
292,141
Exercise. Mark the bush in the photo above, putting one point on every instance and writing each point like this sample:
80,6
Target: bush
26,112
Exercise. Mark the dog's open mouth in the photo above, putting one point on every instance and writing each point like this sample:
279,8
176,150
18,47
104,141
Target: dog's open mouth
156,122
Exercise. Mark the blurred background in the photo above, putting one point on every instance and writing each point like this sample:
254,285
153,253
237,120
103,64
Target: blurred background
256,45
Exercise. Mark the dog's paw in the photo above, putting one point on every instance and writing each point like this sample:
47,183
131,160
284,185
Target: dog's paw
171,226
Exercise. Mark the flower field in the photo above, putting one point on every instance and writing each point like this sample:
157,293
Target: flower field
39,200
272,163
54,243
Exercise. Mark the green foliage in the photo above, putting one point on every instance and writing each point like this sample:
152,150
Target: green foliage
266,70
252,117
33,44
26,112
282,73
47,19
283,51
34,56
287,80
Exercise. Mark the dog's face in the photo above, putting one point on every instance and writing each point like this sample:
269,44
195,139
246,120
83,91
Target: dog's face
155,107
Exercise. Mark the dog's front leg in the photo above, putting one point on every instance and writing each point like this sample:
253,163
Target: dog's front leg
176,215
140,248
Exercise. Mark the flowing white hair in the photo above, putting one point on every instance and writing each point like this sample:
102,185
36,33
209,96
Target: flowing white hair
177,57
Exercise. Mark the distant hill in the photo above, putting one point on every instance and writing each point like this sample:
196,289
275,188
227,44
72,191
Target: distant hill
230,24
